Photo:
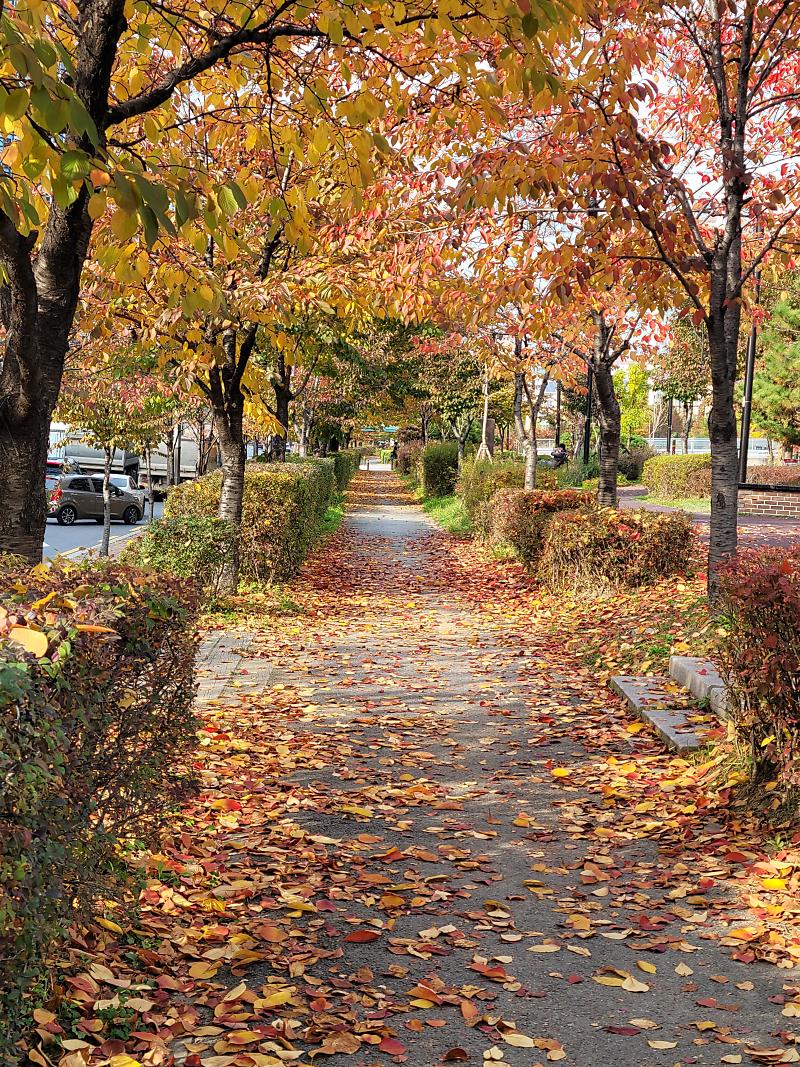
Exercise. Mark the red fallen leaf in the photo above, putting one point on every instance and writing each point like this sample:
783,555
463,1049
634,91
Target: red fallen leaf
470,1012
706,1002
392,1046
454,1055
363,935
625,1031
574,979
324,905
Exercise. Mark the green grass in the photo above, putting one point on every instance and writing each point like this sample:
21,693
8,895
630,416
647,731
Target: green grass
448,512
699,504
333,517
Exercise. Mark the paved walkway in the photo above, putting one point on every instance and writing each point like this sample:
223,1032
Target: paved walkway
436,840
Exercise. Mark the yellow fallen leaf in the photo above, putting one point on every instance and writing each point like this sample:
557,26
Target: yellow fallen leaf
648,968
519,1040
33,641
661,1044
773,883
122,1059
274,1000
561,772
109,924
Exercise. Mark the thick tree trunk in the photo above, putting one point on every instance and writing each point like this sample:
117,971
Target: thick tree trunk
724,456
171,456
227,404
106,538
23,458
610,431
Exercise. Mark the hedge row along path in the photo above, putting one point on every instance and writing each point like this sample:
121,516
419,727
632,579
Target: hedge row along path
438,838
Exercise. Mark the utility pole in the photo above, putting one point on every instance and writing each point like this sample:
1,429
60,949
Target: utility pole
587,428
747,400
558,414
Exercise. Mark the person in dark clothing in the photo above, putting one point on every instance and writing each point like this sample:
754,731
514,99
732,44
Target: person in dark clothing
394,455
559,455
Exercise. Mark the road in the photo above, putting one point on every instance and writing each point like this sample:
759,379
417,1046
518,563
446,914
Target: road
85,535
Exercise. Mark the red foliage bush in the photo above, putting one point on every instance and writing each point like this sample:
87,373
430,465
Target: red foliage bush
785,474
760,658
596,549
520,517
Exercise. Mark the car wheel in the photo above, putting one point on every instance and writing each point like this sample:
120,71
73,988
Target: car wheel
66,515
131,515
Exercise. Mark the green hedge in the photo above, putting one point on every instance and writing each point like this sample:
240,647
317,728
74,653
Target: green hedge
409,456
93,722
601,549
478,482
678,477
439,468
190,546
283,510
345,467
519,517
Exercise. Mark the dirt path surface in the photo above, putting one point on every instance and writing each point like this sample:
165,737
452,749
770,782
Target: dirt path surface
435,838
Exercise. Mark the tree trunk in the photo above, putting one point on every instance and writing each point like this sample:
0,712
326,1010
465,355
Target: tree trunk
688,415
283,397
610,420
171,456
724,456
23,459
109,456
227,405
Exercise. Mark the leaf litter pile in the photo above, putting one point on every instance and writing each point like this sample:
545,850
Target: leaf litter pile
436,837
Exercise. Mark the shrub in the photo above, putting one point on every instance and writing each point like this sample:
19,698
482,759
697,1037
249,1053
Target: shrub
93,722
632,461
546,478
282,514
520,517
345,466
191,546
784,474
479,480
385,455
596,549
408,457
677,477
439,468
760,658
576,472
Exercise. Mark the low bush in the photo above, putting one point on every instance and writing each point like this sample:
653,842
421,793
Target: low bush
599,549
345,466
520,517
784,474
385,455
408,457
439,468
576,472
760,658
632,461
95,711
191,546
479,480
678,477
282,516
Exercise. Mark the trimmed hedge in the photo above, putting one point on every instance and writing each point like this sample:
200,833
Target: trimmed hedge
478,482
94,719
345,466
439,468
599,549
191,546
283,509
783,474
678,477
520,517
760,658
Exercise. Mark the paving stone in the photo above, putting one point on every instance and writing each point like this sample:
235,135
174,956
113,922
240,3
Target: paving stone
658,703
223,666
696,674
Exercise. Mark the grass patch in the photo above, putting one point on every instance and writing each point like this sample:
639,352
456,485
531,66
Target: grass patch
332,519
448,512
699,505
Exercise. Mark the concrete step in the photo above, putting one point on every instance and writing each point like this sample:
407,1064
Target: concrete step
664,706
702,679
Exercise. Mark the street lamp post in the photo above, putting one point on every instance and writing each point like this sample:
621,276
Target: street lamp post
669,426
747,402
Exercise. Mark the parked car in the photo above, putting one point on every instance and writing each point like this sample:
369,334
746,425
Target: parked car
56,468
129,484
77,496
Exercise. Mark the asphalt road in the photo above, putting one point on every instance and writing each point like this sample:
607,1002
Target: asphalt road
86,534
